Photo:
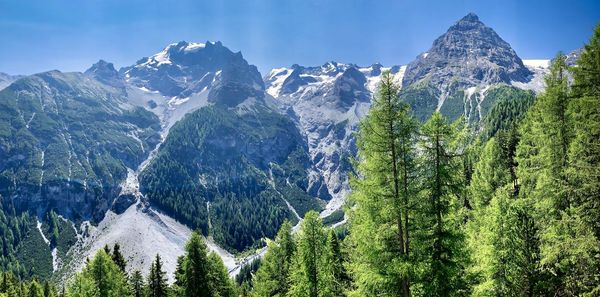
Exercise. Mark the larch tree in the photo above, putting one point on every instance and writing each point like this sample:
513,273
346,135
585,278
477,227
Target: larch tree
309,270
442,250
382,193
196,269
271,279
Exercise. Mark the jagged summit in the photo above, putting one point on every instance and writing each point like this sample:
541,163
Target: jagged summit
471,52
186,68
7,79
470,17
105,72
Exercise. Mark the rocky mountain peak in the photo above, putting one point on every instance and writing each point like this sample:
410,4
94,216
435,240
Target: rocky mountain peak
470,51
6,79
186,68
105,72
470,18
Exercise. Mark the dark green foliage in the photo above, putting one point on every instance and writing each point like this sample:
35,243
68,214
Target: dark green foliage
201,274
157,279
15,242
196,269
335,217
246,273
271,279
454,106
35,254
242,163
443,186
136,281
509,107
118,258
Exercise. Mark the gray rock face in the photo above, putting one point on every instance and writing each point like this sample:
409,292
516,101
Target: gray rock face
183,69
105,72
6,79
454,75
327,103
66,142
469,54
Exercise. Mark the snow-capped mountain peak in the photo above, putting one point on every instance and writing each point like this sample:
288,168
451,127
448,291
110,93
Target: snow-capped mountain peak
328,102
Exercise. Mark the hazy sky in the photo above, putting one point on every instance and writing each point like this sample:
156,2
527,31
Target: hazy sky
70,35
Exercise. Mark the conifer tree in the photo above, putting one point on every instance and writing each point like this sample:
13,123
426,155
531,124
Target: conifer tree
551,184
82,286
489,174
222,284
196,269
157,279
35,289
443,246
309,276
137,284
382,193
49,290
118,258
584,151
271,279
339,279
179,284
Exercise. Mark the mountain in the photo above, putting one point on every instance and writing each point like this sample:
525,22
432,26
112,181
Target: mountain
193,138
326,102
226,147
66,141
454,75
6,79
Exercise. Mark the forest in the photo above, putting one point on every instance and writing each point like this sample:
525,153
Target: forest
438,208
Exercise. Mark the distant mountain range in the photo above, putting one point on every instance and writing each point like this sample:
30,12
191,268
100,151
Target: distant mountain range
194,138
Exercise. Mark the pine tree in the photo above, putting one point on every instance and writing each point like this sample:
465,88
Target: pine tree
504,248
443,186
35,289
489,174
82,285
551,184
137,284
49,290
118,258
584,152
382,193
157,280
309,275
339,279
179,284
222,284
271,279
196,269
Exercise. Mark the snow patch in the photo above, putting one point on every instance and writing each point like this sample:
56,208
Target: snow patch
541,63
193,46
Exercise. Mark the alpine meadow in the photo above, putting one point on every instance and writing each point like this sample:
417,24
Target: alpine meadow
467,171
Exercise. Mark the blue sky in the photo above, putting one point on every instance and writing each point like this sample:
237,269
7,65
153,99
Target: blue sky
71,35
